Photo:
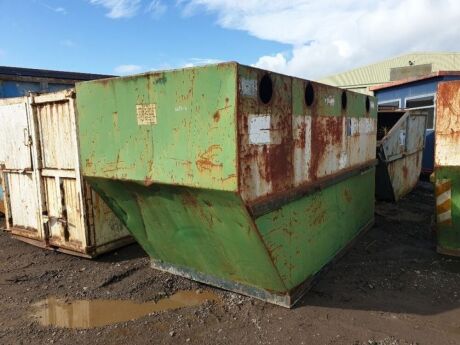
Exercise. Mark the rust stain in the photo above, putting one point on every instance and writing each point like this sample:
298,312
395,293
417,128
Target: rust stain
202,211
405,172
189,200
216,116
148,181
115,120
301,141
448,102
325,131
206,160
317,212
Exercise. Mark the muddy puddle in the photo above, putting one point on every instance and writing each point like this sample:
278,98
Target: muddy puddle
96,313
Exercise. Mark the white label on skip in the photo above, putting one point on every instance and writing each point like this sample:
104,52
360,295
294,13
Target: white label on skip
259,129
146,114
248,87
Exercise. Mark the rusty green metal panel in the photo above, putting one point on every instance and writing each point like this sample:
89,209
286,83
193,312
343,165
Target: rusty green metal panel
447,168
286,184
165,142
208,230
300,247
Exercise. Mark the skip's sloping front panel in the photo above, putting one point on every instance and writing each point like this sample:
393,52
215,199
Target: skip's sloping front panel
404,174
303,236
205,231
175,127
400,154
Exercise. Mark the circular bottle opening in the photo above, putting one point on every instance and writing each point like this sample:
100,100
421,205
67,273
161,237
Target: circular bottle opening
344,100
368,104
309,94
265,89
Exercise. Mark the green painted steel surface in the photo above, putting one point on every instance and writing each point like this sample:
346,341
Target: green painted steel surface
172,151
189,178
306,234
210,231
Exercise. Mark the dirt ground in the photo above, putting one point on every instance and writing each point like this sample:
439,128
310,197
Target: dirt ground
391,288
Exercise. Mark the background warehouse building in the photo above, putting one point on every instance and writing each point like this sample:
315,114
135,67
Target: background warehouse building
411,65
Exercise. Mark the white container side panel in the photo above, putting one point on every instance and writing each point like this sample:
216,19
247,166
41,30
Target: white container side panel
361,141
14,136
58,150
23,204
322,146
416,128
301,126
108,227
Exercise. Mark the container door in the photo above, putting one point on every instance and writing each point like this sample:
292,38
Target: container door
64,211
18,161
15,142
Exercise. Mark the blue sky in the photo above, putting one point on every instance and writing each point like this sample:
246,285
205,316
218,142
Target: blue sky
298,37
78,36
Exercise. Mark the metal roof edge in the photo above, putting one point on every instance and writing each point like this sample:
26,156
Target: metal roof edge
414,79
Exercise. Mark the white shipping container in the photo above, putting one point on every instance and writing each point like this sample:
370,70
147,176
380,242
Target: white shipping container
47,202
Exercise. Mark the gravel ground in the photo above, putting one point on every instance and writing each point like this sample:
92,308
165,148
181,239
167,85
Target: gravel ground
391,288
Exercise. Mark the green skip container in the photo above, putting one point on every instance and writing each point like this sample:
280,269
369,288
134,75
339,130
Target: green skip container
237,177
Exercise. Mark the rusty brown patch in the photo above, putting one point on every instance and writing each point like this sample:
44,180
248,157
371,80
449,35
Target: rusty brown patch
189,199
302,140
279,167
206,160
148,181
325,131
198,209
216,116
405,172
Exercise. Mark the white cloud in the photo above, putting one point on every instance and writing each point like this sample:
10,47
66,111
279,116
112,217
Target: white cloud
60,10
119,8
130,8
333,35
156,8
127,69
199,61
